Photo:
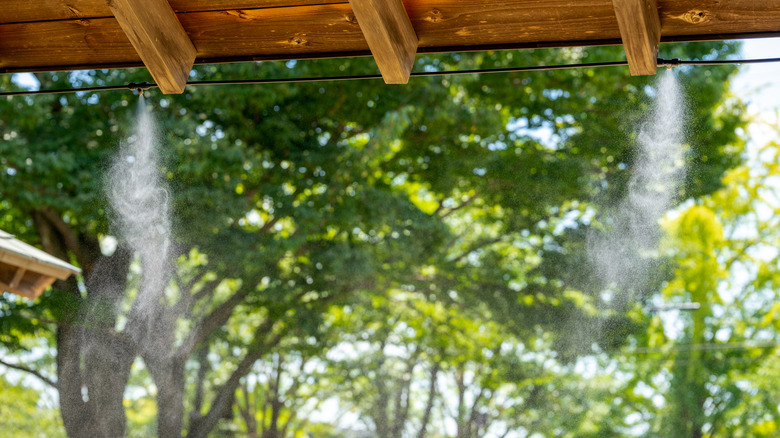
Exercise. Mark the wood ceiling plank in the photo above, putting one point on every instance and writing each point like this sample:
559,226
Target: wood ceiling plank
29,289
471,22
275,32
74,43
331,30
390,36
640,31
37,287
682,18
160,40
20,11
20,292
263,33
227,5
16,11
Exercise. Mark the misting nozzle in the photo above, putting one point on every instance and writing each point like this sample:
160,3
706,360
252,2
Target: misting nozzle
139,87
668,63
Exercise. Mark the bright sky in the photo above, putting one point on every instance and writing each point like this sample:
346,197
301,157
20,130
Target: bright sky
759,85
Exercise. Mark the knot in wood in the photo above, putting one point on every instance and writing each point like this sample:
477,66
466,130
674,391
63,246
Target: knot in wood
696,16
434,16
298,40
351,18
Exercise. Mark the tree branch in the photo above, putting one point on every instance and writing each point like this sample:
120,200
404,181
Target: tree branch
187,288
292,393
40,376
188,300
476,247
402,402
429,404
268,225
203,368
68,236
201,427
465,203
216,318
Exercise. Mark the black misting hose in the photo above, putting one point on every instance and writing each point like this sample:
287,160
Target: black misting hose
668,63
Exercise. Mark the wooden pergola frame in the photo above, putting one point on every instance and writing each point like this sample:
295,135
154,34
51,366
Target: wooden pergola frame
169,36
28,271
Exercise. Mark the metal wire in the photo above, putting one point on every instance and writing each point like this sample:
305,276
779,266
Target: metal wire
711,346
130,86
669,63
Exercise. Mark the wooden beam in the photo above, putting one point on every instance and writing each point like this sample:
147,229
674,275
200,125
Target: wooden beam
640,30
390,36
17,277
159,38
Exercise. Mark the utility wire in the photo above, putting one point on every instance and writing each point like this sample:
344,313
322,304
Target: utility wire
704,347
669,63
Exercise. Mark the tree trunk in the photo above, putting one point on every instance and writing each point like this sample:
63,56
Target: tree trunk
431,397
107,364
155,328
275,400
90,398
462,424
380,415
75,417
168,376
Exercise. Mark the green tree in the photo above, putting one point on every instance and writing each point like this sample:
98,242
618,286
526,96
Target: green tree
712,370
292,199
24,415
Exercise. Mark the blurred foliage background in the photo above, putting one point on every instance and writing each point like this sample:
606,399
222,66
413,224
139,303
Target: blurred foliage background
356,259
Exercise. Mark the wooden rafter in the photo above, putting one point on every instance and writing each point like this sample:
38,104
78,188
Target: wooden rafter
17,277
390,36
159,38
640,30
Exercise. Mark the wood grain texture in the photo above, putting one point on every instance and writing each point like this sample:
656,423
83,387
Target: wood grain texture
640,31
470,22
160,40
18,11
17,278
37,284
18,291
681,18
31,285
275,32
390,36
331,30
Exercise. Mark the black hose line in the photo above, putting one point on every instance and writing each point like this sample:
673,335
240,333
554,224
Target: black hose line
140,87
